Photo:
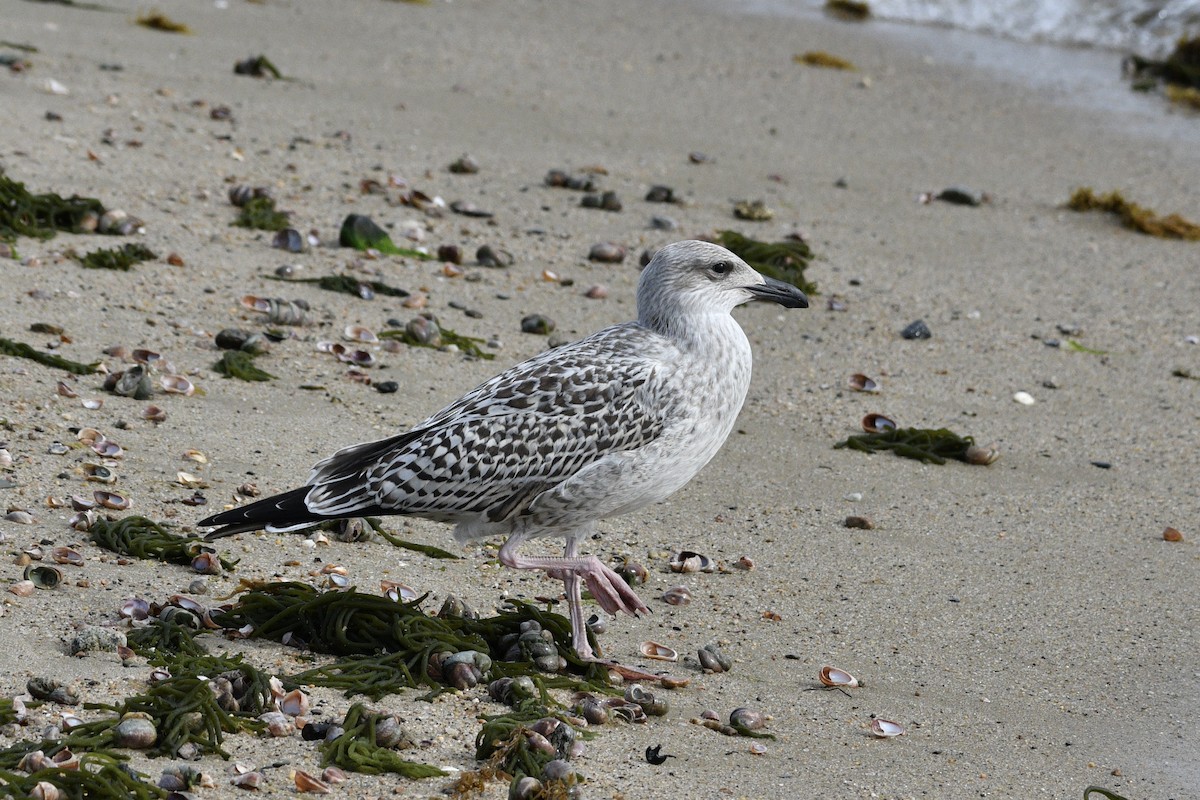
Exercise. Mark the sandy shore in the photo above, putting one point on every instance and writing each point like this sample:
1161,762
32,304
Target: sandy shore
1025,621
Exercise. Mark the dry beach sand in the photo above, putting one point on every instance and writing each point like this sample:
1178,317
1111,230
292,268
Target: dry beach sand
1025,621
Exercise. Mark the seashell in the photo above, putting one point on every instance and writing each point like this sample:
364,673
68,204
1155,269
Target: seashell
758,749
677,596
633,572
1170,534
629,712
885,728
390,733
526,788
112,500
713,660
147,357
338,581
207,564
838,678
982,456
82,521
44,790
745,562
19,516
658,652
333,775
687,561
107,449
188,480
596,292
58,449
399,592
877,423
91,403
133,382
747,719
134,608
591,709
360,358
241,194
307,783
596,624
248,780
90,436
135,731
35,761
65,555
153,414
116,221
291,240
295,703
425,331
177,384
653,705
65,391
44,577
453,607
861,383
22,588
278,723
1024,398
360,333
98,473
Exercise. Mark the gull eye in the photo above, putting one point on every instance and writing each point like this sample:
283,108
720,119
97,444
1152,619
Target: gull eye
721,268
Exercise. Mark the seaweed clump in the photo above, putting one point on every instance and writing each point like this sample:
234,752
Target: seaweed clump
359,748
466,344
784,261
140,537
119,258
240,364
923,444
360,232
94,775
8,347
1142,220
42,216
1179,73
848,9
260,213
157,21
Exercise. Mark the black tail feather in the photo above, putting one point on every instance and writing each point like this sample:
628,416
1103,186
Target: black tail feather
282,510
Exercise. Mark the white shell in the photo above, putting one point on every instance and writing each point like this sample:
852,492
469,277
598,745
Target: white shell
832,676
360,333
1024,398
861,383
885,728
658,652
177,384
295,703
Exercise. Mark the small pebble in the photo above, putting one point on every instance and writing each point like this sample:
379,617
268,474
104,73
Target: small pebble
917,330
1172,535
607,253
660,194
537,323
861,523
387,387
597,292
1024,398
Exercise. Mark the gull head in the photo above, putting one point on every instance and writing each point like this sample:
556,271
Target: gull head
692,278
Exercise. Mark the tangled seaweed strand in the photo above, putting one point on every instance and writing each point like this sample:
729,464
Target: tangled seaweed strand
119,258
240,364
361,233
924,444
427,549
21,350
1133,216
467,344
41,216
100,776
143,538
164,642
356,749
784,261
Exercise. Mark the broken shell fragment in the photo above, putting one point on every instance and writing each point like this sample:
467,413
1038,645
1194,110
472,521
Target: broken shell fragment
861,383
837,678
207,564
658,652
98,473
153,414
360,333
295,703
885,728
135,608
399,592
107,449
22,588
688,561
982,456
310,784
877,423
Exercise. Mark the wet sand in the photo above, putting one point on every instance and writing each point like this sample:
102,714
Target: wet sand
1025,621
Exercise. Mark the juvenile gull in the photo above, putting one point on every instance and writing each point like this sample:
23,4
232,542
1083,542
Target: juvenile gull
592,429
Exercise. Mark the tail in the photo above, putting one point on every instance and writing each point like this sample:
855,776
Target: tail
286,510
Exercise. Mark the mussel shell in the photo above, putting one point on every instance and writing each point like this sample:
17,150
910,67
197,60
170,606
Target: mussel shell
861,383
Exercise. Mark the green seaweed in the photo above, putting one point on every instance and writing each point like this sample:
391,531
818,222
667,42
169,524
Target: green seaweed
347,284
923,444
1180,68
240,364
143,538
99,776
118,258
360,232
426,549
21,350
1111,795
819,58
1184,373
164,641
356,749
260,213
1076,347
466,344
7,713
41,216
258,67
784,261
1133,216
